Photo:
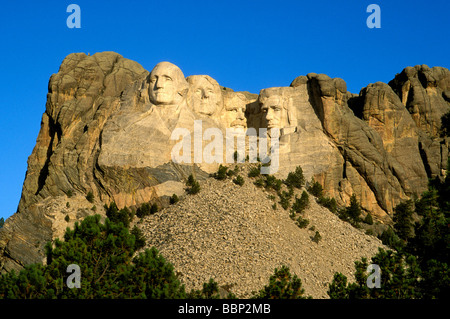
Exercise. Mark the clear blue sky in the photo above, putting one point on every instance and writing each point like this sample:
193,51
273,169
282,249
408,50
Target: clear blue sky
244,44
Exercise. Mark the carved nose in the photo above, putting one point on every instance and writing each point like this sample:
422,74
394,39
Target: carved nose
159,83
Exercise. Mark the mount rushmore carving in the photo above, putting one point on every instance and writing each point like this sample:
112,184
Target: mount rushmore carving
108,123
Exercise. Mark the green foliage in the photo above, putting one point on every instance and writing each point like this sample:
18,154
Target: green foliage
435,279
269,182
115,215
90,197
2,222
255,171
403,222
190,181
296,178
239,180
210,290
419,265
302,222
317,237
233,172
221,173
259,182
368,219
352,212
399,279
315,188
282,285
193,185
329,203
67,218
272,182
285,199
301,203
146,209
69,193
338,288
174,199
104,252
432,233
139,237
391,239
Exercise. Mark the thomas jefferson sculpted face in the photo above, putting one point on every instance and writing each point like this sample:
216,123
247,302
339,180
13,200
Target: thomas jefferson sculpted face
167,84
204,95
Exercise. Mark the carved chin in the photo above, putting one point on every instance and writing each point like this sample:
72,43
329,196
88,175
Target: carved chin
204,109
238,124
162,98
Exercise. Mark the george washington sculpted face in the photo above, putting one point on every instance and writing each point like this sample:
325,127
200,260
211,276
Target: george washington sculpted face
167,84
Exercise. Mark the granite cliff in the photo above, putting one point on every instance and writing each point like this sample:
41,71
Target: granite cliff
108,123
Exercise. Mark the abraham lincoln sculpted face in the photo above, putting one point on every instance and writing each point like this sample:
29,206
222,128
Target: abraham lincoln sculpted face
276,108
167,85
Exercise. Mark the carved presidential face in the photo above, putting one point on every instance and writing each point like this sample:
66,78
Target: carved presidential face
276,107
235,111
167,85
204,95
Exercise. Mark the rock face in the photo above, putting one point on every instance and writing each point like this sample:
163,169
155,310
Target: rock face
114,129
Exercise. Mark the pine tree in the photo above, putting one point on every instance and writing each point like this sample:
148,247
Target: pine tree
403,222
193,185
90,197
315,188
104,252
301,203
352,212
296,178
282,285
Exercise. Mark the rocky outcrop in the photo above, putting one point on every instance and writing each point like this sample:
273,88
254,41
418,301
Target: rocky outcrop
81,97
108,125
425,92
